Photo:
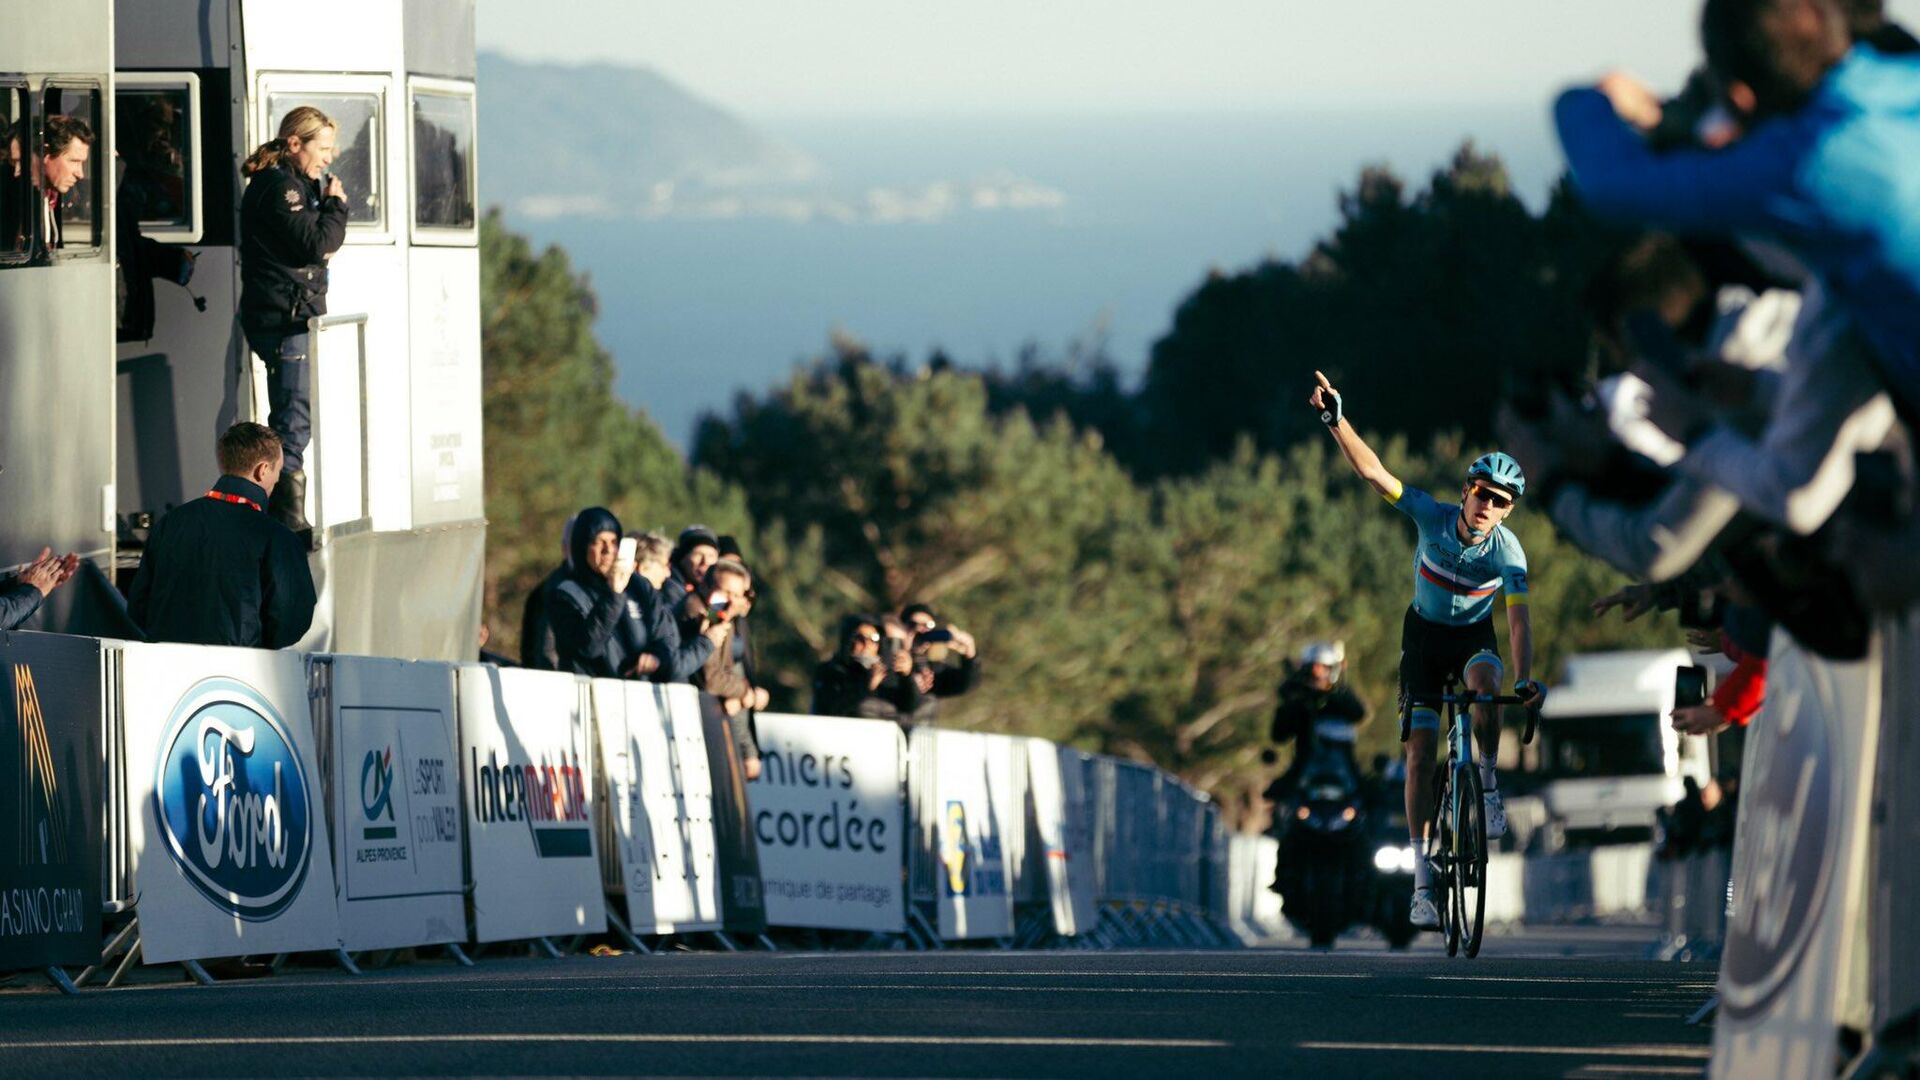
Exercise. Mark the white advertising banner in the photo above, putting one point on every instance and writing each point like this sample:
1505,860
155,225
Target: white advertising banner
660,805
1063,818
829,820
529,787
1790,975
396,790
972,895
230,847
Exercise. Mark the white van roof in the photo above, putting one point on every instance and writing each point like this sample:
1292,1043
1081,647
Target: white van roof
1615,683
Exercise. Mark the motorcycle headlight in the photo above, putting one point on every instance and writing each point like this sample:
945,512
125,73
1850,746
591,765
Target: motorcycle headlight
1393,859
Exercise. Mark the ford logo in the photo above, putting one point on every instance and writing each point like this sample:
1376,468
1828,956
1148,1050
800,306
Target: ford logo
232,799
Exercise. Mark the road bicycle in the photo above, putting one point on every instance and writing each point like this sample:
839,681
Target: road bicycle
1456,847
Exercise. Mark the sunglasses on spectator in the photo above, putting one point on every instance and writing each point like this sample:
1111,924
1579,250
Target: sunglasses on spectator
1499,500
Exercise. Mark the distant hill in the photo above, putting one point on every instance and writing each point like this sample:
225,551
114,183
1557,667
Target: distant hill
600,140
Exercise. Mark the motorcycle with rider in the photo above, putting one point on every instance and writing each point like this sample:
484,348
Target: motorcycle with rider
1324,809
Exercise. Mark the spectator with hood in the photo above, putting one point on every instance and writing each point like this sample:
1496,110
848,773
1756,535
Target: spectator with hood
587,608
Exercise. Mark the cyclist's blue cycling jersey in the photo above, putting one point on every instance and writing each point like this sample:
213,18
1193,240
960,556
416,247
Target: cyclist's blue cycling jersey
1454,583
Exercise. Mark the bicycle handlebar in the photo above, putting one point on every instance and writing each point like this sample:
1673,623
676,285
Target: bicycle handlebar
1466,699
1438,700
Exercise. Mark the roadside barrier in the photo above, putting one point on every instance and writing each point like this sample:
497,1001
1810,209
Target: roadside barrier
1795,970
206,803
387,738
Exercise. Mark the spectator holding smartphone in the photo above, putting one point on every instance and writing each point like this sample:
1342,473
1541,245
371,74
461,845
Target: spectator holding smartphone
292,220
711,610
948,651
587,608
870,675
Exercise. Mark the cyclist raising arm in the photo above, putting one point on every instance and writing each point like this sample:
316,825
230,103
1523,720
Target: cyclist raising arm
1463,556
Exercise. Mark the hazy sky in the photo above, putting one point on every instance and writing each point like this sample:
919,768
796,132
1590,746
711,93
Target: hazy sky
841,56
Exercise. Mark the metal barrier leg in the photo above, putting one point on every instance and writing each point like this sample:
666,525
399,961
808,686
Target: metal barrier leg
59,979
126,963
767,943
345,961
625,932
113,949
1711,1006
459,955
915,916
725,941
199,973
543,945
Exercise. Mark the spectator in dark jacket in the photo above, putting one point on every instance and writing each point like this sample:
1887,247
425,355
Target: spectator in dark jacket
855,682
536,634
948,653
695,553
21,594
655,625
219,570
289,228
588,607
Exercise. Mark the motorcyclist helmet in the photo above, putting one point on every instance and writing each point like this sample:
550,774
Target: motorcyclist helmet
1331,653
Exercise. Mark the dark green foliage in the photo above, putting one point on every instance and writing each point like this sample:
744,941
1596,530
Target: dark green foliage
557,439
1423,309
1137,566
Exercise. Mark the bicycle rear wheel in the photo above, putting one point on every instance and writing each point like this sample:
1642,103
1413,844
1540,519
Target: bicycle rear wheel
1470,859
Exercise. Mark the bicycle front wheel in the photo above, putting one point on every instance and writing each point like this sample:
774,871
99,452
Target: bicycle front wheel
1470,858
1445,875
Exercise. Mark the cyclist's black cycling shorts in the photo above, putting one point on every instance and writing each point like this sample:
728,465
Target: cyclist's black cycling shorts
1431,651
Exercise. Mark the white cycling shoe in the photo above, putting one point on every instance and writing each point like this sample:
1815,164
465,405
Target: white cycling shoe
1496,813
1423,915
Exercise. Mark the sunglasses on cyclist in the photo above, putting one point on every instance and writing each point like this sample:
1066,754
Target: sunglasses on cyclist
1499,500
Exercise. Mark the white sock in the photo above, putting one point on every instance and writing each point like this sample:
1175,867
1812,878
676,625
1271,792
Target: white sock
1422,873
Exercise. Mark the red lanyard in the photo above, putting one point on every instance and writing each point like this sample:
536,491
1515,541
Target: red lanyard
241,499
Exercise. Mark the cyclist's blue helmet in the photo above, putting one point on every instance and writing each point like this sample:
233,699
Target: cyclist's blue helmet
1499,470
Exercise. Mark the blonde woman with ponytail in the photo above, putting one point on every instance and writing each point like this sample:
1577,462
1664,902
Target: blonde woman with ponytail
290,225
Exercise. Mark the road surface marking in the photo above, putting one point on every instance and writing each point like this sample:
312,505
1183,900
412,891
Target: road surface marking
1691,1053
626,1037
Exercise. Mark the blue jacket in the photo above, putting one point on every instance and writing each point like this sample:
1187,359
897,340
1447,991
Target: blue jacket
18,602
1837,182
652,628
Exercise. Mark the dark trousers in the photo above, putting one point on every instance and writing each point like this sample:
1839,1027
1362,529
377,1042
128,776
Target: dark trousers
289,409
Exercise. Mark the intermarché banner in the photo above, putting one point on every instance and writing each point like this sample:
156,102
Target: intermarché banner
49,801
828,818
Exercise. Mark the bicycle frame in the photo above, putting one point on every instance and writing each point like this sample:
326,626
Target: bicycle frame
1458,840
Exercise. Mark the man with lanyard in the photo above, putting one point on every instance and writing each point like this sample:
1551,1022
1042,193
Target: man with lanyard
219,570
1463,557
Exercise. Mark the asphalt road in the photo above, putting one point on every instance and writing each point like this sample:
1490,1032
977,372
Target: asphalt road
1566,1004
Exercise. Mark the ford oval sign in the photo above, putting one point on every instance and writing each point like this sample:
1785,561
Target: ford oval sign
232,799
